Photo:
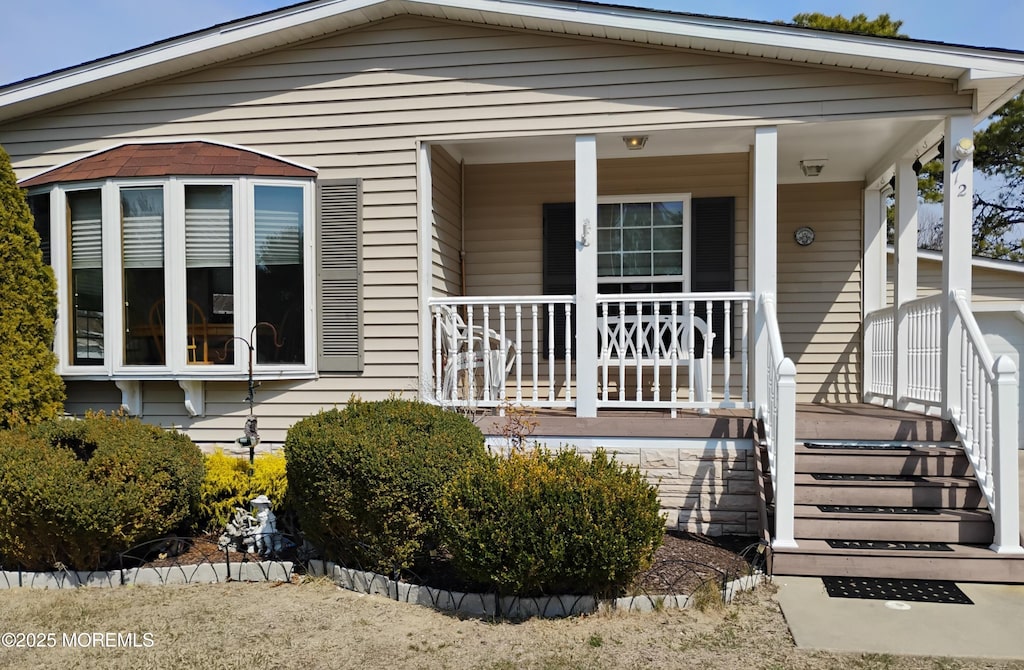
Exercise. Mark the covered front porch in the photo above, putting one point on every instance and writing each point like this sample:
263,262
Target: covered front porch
789,305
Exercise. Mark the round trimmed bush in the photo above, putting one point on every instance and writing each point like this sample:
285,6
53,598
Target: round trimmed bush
536,523
365,479
78,492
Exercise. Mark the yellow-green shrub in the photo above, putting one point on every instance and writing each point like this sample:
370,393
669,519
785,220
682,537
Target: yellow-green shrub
539,523
228,485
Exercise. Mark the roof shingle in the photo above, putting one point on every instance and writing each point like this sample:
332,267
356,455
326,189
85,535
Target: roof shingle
166,159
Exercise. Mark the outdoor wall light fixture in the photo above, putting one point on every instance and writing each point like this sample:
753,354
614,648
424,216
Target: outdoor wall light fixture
635,142
812,167
965,147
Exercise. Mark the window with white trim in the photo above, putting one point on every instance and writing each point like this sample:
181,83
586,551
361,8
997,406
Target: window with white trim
169,275
643,243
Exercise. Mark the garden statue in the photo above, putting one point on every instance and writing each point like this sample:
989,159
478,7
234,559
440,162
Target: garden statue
268,540
253,532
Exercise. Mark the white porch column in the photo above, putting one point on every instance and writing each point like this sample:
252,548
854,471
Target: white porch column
873,274
874,250
763,246
905,288
424,266
957,229
586,276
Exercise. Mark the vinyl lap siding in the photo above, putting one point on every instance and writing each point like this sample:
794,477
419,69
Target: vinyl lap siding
988,285
819,289
353,105
447,210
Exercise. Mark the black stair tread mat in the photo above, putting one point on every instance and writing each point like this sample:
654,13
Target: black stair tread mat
883,446
877,509
841,477
886,544
907,590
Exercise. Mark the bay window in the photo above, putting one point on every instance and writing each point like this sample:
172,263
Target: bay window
168,276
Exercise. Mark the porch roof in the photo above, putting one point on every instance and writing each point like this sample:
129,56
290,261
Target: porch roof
994,75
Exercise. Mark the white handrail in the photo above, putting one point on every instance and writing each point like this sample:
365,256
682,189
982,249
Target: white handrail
778,416
986,420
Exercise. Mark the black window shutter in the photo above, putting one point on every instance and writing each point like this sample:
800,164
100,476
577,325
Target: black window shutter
713,256
559,265
339,276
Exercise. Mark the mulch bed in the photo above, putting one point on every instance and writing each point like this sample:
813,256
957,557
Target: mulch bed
681,565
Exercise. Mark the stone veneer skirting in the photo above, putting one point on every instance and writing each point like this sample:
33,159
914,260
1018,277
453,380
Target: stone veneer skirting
706,486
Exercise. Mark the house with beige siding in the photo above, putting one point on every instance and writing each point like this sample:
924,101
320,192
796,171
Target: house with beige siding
662,232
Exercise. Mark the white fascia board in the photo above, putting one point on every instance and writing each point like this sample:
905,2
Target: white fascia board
761,34
172,50
681,30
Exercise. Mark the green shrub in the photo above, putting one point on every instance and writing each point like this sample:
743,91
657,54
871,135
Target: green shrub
539,522
228,485
77,492
365,479
30,389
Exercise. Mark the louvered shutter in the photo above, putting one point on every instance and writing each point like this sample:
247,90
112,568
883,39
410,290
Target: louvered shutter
339,276
559,265
712,264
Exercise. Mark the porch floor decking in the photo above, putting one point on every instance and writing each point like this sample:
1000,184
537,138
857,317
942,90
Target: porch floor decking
813,421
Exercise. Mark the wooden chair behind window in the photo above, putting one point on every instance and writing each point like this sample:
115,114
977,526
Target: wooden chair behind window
198,346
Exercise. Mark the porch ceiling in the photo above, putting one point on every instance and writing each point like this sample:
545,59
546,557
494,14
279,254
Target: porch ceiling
853,148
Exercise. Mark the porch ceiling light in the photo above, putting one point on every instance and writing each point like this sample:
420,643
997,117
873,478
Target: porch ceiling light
812,167
635,142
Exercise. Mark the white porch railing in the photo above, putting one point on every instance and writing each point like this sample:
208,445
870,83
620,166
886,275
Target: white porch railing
986,419
645,340
492,350
920,363
983,406
653,351
778,415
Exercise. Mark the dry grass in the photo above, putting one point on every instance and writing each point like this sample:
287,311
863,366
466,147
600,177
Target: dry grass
316,625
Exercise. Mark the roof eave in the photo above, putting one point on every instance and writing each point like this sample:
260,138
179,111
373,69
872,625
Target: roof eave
310,20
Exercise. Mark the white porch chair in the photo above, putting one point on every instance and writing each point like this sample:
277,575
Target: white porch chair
473,352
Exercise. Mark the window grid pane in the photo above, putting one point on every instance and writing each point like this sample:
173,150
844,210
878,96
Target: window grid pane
640,239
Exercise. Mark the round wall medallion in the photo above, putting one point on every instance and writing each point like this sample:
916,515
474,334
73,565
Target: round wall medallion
804,235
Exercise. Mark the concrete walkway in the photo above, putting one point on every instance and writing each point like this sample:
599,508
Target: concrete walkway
990,628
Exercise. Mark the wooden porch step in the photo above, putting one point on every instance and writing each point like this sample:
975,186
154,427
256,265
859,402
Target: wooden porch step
882,458
892,524
961,562
888,490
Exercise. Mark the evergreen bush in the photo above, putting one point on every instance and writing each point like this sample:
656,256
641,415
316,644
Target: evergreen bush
228,484
78,492
537,522
365,479
30,389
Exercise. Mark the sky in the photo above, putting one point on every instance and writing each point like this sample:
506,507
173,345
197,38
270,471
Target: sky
46,35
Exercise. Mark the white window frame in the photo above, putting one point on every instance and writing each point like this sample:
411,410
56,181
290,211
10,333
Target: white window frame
687,199
244,280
